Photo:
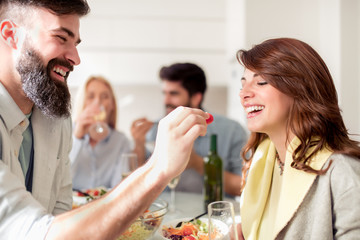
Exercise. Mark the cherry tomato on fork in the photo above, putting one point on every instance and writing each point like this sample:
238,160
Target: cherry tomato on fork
210,119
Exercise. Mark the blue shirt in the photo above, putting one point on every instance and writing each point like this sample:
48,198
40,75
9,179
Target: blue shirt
231,137
100,165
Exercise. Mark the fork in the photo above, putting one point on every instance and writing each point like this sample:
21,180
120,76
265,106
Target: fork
179,223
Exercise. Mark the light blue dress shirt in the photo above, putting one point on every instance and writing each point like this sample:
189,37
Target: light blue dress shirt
100,165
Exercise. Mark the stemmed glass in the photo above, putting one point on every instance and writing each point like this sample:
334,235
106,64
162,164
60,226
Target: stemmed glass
99,118
172,184
222,223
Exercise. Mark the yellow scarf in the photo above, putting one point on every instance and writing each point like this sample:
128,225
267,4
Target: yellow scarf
296,184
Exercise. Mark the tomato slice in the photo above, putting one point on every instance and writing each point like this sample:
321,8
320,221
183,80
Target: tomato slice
189,238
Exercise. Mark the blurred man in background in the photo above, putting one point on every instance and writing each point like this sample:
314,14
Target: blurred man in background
184,84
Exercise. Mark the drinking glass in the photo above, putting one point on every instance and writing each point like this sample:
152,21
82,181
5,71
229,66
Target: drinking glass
172,185
222,223
100,129
131,160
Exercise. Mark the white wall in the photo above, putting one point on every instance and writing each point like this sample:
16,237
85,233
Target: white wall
235,39
358,54
350,65
130,40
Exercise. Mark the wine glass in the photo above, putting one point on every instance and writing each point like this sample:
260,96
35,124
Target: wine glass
131,160
99,118
100,129
222,223
172,184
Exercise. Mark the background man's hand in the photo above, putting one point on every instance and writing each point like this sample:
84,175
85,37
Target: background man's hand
139,128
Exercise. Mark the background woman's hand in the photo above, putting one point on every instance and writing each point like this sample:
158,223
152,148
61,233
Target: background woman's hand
175,138
85,120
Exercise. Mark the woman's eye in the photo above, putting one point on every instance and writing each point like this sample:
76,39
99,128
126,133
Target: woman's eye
262,83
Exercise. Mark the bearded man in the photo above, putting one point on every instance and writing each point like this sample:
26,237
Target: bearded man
38,46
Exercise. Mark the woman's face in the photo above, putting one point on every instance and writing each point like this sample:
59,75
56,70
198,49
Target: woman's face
97,94
266,107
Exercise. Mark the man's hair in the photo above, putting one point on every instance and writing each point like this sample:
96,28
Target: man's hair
191,77
12,8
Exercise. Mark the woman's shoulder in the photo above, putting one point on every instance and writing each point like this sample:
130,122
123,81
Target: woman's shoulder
344,172
344,162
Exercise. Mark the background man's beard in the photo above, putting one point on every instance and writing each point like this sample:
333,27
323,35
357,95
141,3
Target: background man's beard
51,96
170,107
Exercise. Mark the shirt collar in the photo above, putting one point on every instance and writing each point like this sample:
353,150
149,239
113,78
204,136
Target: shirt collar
9,110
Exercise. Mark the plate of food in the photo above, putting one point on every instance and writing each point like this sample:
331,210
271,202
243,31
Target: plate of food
81,197
194,230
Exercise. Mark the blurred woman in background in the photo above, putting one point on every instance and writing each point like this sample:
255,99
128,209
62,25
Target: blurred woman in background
97,145
303,170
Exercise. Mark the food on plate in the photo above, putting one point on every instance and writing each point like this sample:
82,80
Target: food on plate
91,193
194,230
85,196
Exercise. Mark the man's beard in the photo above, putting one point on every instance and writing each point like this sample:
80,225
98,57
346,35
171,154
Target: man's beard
51,96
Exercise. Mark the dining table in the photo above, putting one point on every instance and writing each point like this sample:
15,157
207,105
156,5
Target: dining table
190,205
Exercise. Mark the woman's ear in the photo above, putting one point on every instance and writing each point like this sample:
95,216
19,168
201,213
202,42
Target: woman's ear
8,33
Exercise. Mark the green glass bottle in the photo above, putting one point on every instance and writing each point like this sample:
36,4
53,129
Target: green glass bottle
213,174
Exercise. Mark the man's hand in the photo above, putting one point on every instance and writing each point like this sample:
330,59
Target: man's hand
175,138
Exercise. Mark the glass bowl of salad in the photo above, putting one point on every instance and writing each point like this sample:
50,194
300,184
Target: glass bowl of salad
147,224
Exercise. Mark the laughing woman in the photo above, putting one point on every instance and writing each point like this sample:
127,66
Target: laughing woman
303,170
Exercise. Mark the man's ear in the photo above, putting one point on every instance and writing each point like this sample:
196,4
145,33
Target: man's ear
8,33
196,100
